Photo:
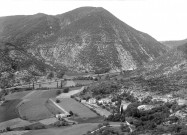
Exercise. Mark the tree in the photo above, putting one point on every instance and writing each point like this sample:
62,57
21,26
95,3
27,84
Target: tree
71,113
57,101
58,92
124,128
50,75
66,90
8,129
60,74
132,110
106,124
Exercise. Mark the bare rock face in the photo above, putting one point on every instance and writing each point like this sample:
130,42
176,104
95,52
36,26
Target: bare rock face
85,39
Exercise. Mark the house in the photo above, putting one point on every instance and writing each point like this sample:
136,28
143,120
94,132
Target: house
92,101
105,101
61,115
124,105
180,114
83,101
145,107
182,101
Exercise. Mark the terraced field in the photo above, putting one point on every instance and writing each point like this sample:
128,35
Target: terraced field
70,104
34,110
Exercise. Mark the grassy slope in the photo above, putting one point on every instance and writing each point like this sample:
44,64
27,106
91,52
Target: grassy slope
17,95
8,110
35,110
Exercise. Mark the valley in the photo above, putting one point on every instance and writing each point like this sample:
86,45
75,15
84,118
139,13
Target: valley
85,72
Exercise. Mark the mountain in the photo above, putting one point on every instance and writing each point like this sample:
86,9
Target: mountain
167,73
174,43
84,39
169,64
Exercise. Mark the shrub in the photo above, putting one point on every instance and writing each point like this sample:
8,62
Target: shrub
58,92
50,75
106,123
124,128
71,113
57,101
66,90
8,129
60,74
39,127
27,128
61,123
24,118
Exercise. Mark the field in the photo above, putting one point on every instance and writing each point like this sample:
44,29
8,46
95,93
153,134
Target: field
53,108
34,110
14,123
83,82
16,95
69,83
8,110
36,94
79,129
70,104
70,93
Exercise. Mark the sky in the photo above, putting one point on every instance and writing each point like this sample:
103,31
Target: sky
162,19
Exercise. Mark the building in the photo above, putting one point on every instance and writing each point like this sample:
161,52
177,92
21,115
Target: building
92,101
145,107
61,115
124,105
104,101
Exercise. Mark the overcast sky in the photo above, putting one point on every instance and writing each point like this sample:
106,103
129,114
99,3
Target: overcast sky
162,19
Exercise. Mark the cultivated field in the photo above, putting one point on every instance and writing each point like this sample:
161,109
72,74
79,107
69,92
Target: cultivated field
14,123
53,108
34,110
70,104
70,93
70,83
79,129
36,94
83,82
16,95
8,110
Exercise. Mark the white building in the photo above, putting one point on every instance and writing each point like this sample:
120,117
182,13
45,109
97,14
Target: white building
61,115
104,101
124,105
145,107
92,101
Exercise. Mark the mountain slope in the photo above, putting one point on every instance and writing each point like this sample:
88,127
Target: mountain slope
174,43
166,74
85,39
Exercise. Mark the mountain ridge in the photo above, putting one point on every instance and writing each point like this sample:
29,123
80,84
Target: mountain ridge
84,39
